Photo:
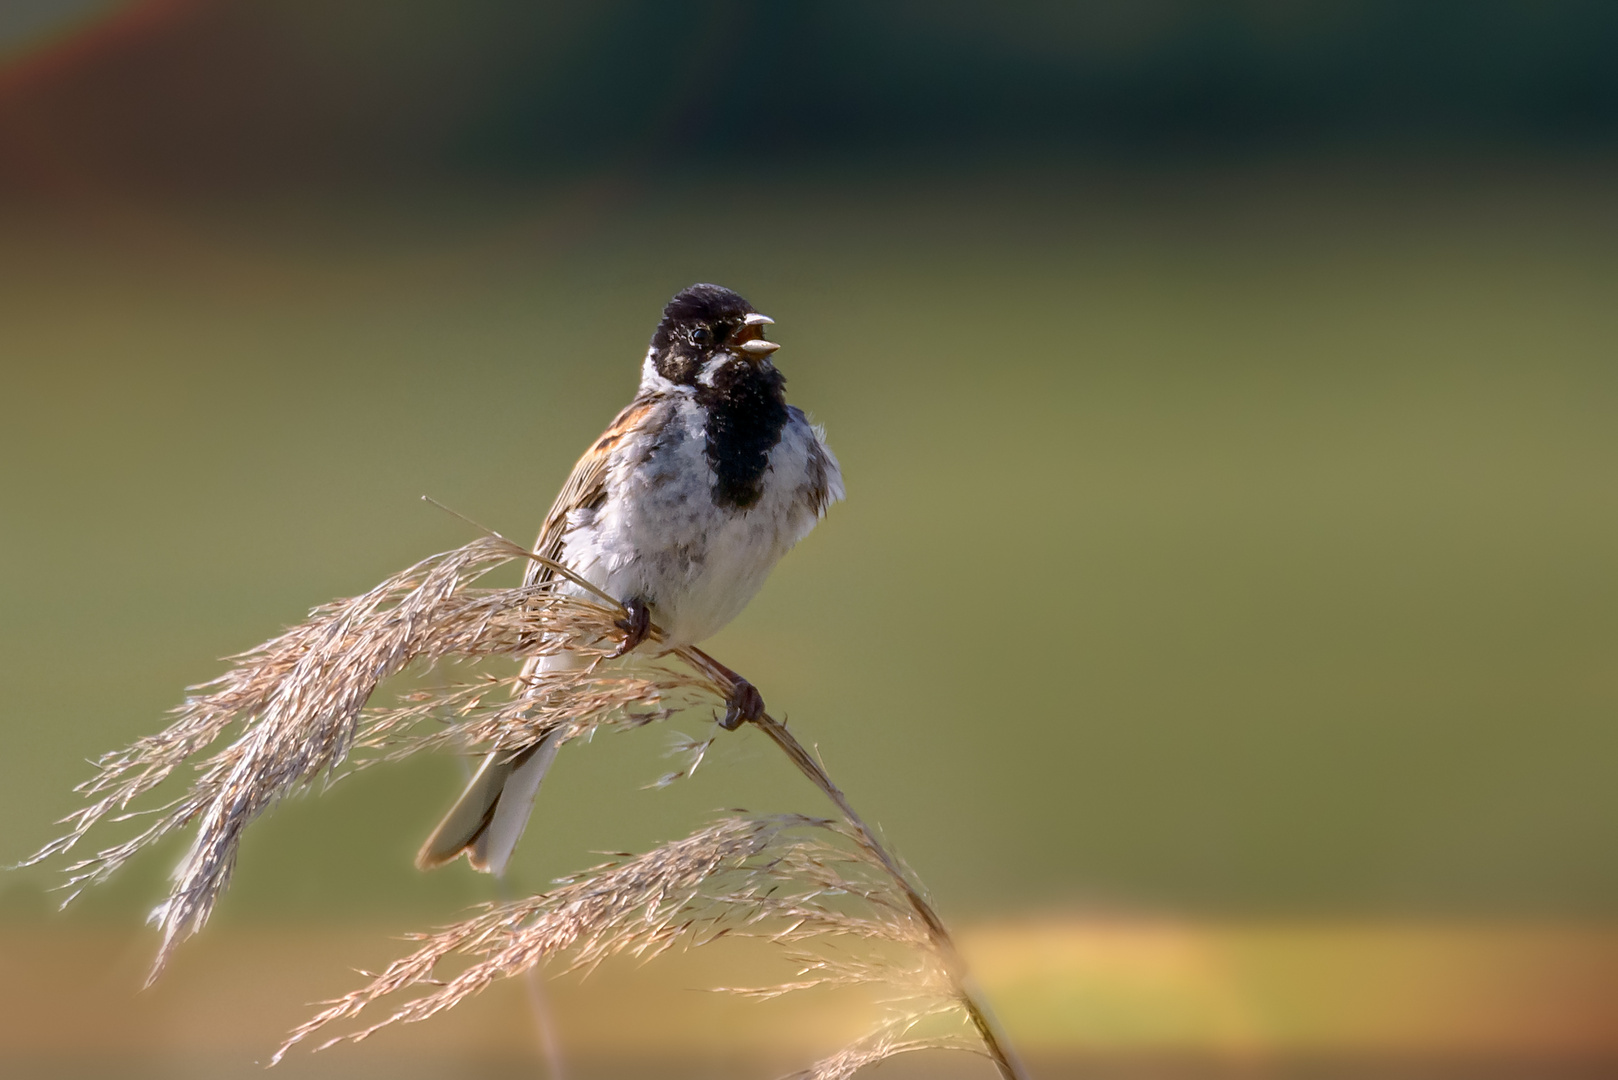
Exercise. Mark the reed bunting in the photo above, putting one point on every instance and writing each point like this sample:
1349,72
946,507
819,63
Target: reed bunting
680,509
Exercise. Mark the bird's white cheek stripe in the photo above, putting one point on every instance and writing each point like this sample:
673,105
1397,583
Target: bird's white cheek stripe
652,381
711,368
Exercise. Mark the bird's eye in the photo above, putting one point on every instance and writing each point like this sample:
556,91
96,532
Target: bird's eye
701,337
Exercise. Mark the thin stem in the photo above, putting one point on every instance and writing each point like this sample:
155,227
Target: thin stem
994,1040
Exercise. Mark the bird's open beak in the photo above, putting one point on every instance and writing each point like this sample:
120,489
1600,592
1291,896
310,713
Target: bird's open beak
749,337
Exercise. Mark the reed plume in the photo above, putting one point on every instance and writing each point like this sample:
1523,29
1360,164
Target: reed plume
292,711
790,879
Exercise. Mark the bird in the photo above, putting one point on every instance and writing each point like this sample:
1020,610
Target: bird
679,510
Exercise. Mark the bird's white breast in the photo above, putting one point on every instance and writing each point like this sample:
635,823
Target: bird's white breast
660,537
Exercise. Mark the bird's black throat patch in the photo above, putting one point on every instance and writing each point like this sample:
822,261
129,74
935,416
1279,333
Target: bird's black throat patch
747,408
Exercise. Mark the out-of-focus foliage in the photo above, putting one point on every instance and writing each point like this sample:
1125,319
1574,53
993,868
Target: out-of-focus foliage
255,93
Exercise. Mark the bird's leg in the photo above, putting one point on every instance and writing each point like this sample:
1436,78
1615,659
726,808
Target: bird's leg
743,703
636,624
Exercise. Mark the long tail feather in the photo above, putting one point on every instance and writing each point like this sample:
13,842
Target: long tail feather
488,819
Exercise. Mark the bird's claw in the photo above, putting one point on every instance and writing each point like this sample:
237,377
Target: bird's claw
744,705
636,624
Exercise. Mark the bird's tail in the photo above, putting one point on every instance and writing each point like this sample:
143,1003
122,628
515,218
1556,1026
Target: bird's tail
488,819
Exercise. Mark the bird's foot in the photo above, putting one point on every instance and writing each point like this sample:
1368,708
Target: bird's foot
636,625
744,705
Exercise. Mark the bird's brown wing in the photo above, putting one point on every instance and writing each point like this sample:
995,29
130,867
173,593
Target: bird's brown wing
586,489
474,824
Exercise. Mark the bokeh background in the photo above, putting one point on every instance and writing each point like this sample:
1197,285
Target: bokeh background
1222,620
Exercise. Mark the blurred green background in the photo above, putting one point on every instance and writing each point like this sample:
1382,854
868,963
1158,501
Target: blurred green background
1226,393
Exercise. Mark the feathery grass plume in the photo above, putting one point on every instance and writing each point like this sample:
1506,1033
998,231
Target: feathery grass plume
294,704
516,711
889,1040
802,883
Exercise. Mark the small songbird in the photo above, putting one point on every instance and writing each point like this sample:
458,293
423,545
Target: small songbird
680,510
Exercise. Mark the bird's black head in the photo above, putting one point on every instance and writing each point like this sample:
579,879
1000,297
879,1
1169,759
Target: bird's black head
701,323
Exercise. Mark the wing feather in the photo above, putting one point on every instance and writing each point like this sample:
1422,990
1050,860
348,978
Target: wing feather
586,489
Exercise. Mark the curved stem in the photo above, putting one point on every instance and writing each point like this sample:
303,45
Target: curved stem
993,1039
988,1030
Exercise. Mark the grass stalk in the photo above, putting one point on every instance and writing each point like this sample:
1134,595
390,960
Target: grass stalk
291,711
983,1021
